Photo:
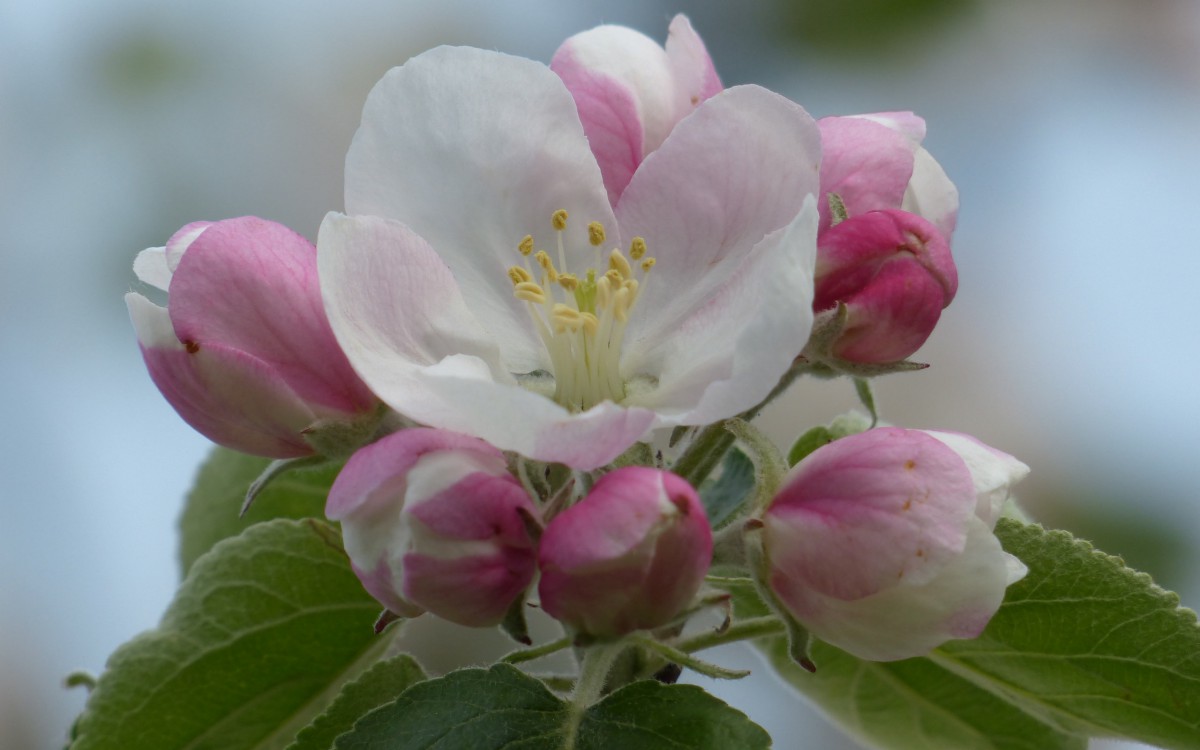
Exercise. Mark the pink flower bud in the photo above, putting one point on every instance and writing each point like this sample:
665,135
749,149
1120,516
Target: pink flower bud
243,350
881,543
432,522
894,272
629,556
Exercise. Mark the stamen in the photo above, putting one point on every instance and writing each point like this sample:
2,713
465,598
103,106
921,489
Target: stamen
647,264
559,219
526,245
637,248
547,265
518,274
568,281
596,233
617,262
528,291
566,318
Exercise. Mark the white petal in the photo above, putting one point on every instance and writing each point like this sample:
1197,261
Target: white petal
150,266
993,472
931,194
151,323
394,306
732,172
459,396
473,150
730,351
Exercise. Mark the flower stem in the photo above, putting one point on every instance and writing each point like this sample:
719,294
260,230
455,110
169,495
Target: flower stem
597,661
537,652
755,627
685,659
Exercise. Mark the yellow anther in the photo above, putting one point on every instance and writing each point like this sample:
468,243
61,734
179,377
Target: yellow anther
527,291
559,219
566,318
617,262
518,274
547,265
526,245
647,264
591,323
632,286
568,281
637,248
596,234
614,278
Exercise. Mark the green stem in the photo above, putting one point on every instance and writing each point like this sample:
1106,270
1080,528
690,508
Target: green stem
715,440
597,661
687,660
537,652
741,630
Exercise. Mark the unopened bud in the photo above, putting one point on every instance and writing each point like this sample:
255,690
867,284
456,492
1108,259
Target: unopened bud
629,556
433,521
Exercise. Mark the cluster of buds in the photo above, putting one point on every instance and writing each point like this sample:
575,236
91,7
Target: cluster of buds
433,521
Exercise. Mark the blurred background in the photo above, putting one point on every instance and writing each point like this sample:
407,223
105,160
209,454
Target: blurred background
1070,127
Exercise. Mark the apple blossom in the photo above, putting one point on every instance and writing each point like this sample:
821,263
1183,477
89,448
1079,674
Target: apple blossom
483,283
881,543
432,521
243,350
629,556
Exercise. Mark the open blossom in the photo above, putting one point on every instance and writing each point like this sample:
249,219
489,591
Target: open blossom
432,522
243,350
881,543
629,556
482,281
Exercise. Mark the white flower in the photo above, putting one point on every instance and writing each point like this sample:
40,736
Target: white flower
482,282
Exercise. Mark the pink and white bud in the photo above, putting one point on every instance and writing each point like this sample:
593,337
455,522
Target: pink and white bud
894,272
631,92
243,350
876,161
881,543
629,556
432,521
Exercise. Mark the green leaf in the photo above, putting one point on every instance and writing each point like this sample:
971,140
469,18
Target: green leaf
502,707
912,704
380,684
261,635
211,511
1086,644
725,496
807,443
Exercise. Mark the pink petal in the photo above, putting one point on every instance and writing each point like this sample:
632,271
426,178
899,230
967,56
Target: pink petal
251,285
695,75
228,396
870,511
866,164
733,172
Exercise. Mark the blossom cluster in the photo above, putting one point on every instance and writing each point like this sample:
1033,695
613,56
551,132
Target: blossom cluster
540,271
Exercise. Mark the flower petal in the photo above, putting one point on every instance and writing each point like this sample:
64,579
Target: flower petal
931,194
993,472
264,277
473,150
696,78
461,398
732,172
150,266
394,306
866,163
731,348
228,396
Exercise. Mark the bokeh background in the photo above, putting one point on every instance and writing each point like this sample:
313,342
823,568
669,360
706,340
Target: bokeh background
1070,126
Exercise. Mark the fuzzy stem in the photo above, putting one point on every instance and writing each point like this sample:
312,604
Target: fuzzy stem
537,652
741,630
597,661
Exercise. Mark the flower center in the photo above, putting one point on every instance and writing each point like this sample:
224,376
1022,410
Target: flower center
581,319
